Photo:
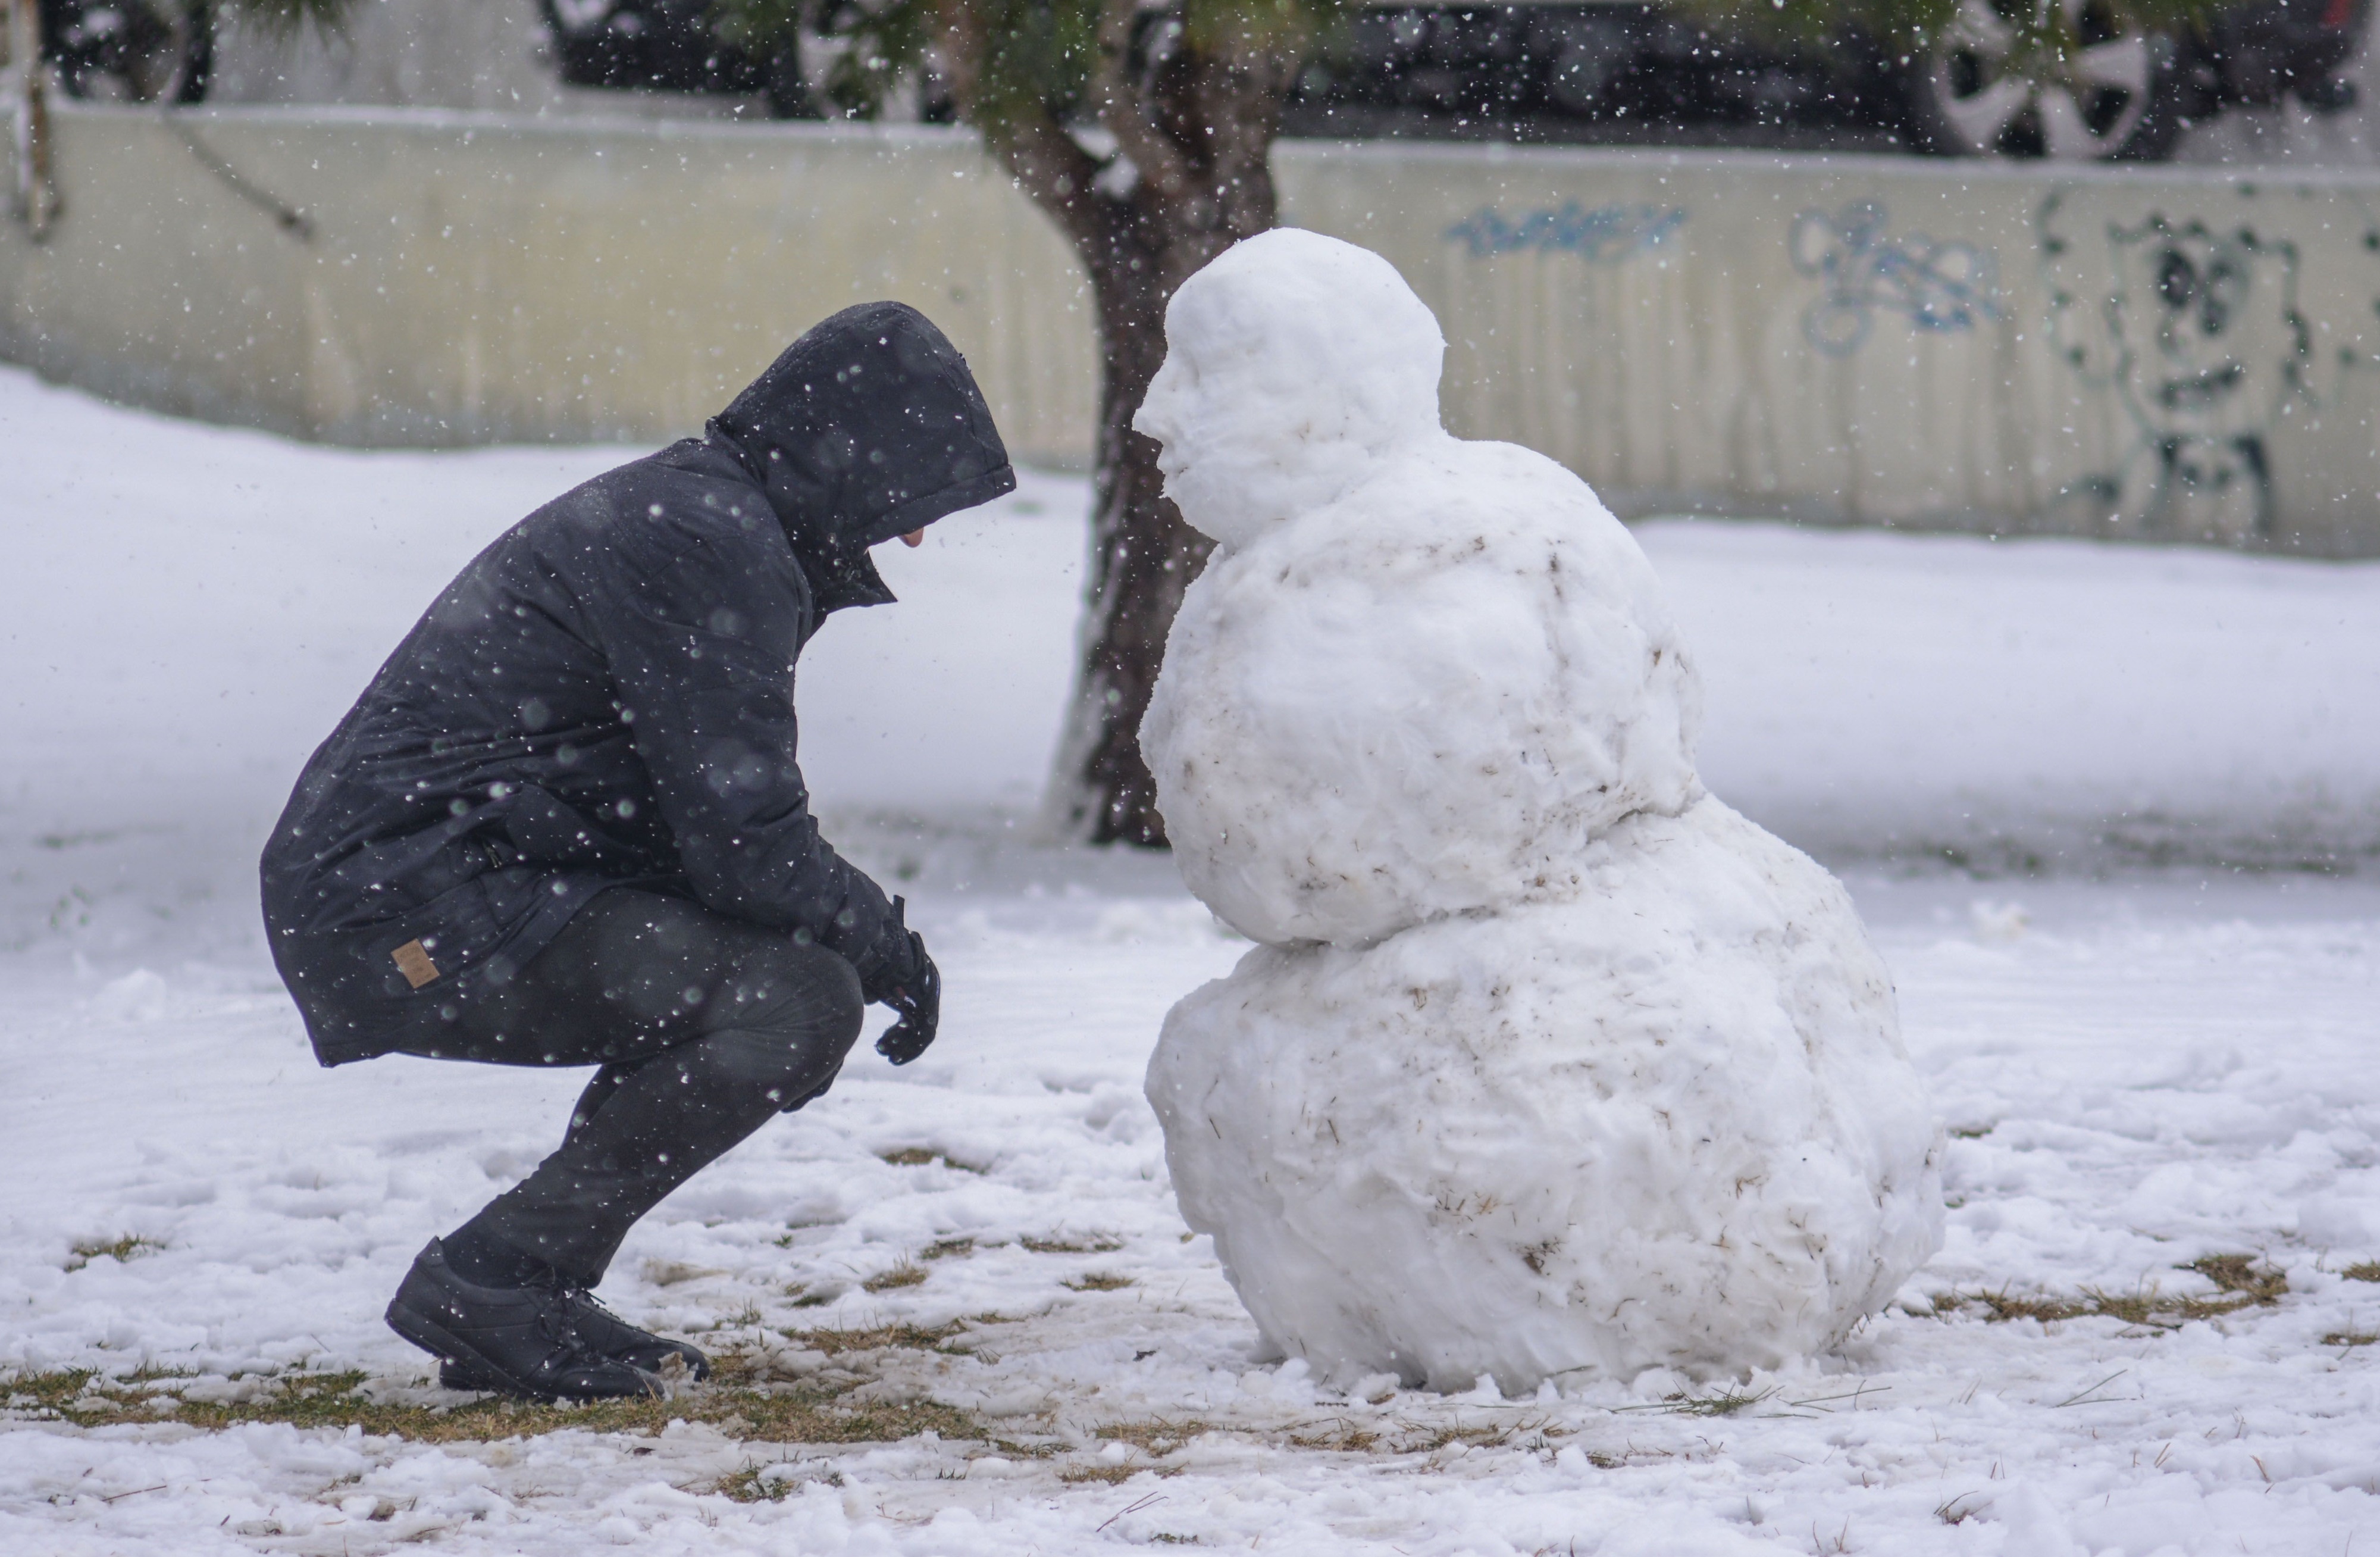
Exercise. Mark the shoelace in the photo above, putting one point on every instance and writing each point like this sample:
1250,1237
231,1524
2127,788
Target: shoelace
557,1321
578,1298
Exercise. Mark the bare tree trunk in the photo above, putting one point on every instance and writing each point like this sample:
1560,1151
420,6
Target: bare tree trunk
1194,132
1143,557
36,196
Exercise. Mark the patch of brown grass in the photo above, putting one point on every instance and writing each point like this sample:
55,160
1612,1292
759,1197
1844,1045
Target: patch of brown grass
949,1248
1341,1437
906,1337
1157,1436
2003,1305
745,1362
2241,1282
340,1400
1100,1281
2350,1338
51,1392
1115,1475
746,1485
2368,1271
2241,1275
1448,1437
907,1273
754,1484
1101,1244
121,1250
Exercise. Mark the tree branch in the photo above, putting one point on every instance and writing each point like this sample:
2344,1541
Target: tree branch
1027,138
1235,94
959,35
1060,177
1124,109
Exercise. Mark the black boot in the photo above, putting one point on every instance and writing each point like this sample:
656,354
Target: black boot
607,1335
524,1340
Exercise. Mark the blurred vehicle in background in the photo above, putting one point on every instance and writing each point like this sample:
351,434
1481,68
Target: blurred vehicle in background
2094,84
2071,80
2074,79
130,50
671,45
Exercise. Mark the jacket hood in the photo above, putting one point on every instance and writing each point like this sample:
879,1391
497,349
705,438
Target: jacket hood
868,427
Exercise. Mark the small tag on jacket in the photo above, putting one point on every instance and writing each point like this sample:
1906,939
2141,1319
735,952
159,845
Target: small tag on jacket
414,963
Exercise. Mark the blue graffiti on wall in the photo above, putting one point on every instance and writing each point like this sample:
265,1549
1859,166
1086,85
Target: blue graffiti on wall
1605,236
1936,286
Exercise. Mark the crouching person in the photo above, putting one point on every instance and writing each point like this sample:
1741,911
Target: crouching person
563,826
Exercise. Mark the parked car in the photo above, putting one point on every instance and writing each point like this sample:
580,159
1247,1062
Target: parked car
2012,77
2073,79
2127,93
134,51
668,45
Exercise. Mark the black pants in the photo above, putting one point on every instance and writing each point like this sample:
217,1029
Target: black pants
704,1027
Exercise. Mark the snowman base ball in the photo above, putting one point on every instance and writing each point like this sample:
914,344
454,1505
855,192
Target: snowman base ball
1670,1123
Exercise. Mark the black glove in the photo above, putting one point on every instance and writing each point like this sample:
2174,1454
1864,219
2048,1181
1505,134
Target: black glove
895,961
897,973
918,1002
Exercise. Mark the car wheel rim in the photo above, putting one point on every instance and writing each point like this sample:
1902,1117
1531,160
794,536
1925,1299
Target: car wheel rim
137,51
2067,79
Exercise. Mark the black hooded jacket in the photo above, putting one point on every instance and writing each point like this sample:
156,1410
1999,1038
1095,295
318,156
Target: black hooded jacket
605,696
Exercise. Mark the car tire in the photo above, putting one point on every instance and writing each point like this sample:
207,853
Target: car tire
134,51
137,51
1991,86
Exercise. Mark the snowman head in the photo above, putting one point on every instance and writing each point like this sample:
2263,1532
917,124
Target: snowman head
1294,363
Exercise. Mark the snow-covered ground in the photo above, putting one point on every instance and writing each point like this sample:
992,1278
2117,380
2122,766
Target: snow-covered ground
2037,764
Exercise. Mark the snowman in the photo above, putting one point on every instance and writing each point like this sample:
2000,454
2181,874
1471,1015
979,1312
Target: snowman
1547,1062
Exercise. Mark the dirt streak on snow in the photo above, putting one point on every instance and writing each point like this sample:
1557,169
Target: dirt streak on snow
2142,1071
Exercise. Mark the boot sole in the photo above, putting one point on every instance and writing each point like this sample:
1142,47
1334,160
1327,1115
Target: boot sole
453,1373
449,1350
469,1361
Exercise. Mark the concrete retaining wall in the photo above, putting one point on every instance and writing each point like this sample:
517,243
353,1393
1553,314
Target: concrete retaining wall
470,278
2154,353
